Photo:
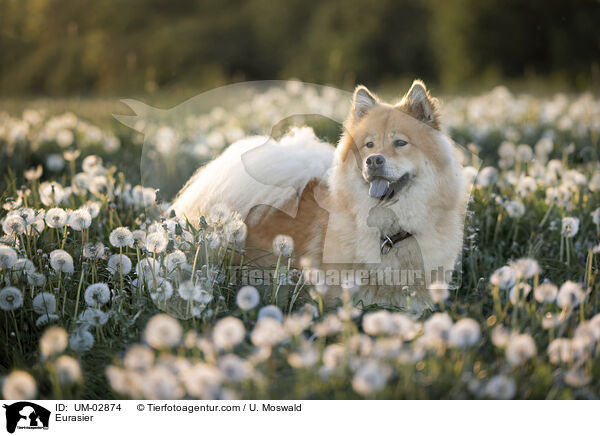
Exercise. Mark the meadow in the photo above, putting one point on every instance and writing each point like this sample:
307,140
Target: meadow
104,294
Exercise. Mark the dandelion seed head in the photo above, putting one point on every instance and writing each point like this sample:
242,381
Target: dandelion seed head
570,227
570,294
97,294
283,245
118,263
80,219
520,348
46,319
68,370
247,298
94,317
121,237
53,341
228,333
504,277
13,225
270,311
56,218
156,242
10,298
8,257
44,303
500,387
19,385
267,332
61,261
163,331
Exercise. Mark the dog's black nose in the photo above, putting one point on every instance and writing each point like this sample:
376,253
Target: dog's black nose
375,161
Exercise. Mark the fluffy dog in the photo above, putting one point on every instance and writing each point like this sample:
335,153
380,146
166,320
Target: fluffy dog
389,199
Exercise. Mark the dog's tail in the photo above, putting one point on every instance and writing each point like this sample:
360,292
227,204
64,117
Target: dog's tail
257,171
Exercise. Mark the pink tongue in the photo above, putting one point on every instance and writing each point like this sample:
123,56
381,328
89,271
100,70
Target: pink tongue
378,187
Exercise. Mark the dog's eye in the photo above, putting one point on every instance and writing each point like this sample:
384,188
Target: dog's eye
400,143
369,144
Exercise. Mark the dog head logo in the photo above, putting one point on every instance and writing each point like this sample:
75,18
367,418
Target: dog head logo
26,415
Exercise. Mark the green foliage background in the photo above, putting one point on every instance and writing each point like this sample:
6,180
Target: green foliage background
58,47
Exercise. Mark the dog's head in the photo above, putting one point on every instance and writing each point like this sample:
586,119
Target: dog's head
397,148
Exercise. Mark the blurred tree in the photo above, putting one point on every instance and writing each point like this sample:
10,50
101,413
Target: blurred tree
84,46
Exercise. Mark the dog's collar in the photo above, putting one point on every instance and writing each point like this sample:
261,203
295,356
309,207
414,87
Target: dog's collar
387,242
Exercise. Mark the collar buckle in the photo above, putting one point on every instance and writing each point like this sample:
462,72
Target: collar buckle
386,245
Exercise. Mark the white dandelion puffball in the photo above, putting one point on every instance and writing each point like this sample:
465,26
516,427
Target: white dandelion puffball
500,387
546,293
10,298
333,355
439,292
228,333
161,384
234,368
570,227
46,319
203,297
53,341
19,385
202,381
520,349
117,263
24,265
174,260
97,294
93,207
80,219
560,351
486,177
500,336
94,317
94,251
570,294
156,242
44,303
163,331
438,326
515,209
370,379
267,332
526,267
465,333
121,237
270,311
247,298
377,323
148,268
519,292
56,218
188,290
283,245
162,291
596,216
51,194
8,257
138,358
14,225
68,370
504,277
81,340
61,261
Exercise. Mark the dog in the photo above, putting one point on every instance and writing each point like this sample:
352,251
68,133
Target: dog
390,197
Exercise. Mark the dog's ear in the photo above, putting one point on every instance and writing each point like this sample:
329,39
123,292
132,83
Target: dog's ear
362,103
418,103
